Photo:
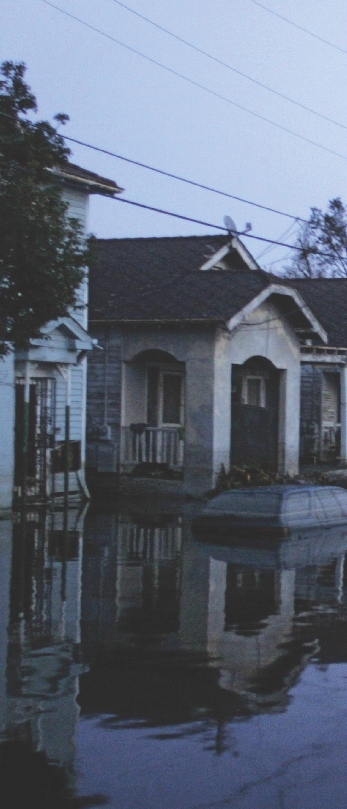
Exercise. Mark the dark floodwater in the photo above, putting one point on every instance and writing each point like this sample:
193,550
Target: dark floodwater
140,669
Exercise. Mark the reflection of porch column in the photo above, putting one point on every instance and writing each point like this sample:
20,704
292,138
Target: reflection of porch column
339,573
343,383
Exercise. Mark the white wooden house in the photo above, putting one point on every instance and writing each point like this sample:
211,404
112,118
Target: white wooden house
49,373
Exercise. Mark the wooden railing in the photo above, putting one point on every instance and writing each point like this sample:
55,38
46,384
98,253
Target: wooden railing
142,444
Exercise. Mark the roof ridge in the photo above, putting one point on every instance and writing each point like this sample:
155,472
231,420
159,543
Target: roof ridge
162,238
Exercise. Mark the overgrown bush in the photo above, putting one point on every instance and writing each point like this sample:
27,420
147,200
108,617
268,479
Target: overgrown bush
246,475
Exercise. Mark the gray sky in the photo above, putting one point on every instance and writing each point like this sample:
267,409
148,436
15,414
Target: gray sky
119,101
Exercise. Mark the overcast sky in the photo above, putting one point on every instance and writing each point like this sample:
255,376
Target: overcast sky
122,102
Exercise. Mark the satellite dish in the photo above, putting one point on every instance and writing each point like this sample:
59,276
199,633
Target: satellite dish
230,225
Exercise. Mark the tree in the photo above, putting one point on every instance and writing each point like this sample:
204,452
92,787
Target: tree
322,243
42,251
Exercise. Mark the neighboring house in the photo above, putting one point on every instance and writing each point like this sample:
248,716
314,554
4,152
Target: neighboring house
200,363
51,369
324,373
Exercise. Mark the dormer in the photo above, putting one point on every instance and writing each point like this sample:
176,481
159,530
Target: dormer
232,256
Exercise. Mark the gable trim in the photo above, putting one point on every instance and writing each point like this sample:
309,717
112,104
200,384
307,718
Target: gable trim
76,331
234,244
277,289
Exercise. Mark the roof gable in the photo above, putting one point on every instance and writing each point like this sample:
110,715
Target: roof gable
327,298
224,258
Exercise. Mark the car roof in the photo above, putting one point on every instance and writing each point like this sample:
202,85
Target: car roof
282,488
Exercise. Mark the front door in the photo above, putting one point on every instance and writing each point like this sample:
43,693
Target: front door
255,403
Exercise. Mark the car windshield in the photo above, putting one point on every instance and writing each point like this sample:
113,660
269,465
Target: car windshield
247,502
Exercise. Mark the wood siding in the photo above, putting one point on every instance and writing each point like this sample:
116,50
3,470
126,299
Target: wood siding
104,402
78,209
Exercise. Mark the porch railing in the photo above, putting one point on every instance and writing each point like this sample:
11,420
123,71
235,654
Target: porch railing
142,444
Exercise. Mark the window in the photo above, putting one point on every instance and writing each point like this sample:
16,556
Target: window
329,506
298,508
254,391
164,397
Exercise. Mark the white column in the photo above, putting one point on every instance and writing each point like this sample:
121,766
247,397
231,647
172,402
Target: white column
7,414
343,394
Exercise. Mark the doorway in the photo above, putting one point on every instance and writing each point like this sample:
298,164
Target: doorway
255,406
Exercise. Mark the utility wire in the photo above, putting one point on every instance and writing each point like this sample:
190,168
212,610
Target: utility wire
300,27
229,67
216,227
268,249
184,179
197,221
174,176
195,83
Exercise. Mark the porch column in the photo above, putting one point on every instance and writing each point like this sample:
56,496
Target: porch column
343,394
67,437
26,407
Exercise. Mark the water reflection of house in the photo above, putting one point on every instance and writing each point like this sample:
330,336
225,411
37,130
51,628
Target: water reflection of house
40,660
132,576
229,620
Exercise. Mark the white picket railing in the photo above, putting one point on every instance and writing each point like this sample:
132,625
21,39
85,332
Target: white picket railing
152,445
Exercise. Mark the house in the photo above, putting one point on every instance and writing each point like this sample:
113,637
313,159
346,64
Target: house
200,363
50,374
324,373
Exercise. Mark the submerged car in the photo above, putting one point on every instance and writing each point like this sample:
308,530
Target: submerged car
271,511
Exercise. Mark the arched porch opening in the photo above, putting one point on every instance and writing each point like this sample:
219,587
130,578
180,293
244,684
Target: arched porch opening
153,415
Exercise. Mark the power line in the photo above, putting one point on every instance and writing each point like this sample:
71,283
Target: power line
210,225
268,249
195,83
197,221
300,27
184,179
229,67
177,177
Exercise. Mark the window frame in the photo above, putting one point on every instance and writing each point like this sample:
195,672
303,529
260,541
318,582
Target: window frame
244,392
166,370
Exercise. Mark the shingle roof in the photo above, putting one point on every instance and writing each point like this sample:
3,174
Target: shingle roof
327,298
71,170
160,279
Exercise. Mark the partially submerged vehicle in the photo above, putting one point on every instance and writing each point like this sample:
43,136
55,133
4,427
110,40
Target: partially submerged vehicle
273,512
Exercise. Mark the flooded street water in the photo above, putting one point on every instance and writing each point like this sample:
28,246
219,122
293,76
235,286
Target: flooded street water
142,669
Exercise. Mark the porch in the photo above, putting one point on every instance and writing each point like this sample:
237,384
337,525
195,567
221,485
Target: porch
152,434
152,451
